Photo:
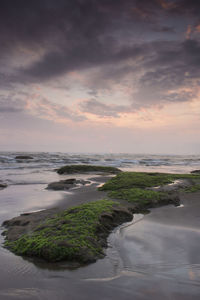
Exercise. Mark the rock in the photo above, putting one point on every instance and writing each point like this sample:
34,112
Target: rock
15,222
15,227
79,253
71,169
195,172
63,185
109,221
15,233
122,214
3,185
63,244
60,185
23,157
70,181
85,256
6,223
107,216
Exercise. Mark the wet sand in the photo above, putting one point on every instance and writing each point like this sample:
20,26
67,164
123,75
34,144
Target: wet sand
75,196
161,253
157,257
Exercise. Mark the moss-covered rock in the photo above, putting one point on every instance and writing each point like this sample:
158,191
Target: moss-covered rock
71,169
138,188
126,180
77,234
144,199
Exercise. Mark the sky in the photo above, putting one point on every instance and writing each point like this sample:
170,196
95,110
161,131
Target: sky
109,76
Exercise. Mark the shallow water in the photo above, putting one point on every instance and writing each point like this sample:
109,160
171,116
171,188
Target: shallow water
157,256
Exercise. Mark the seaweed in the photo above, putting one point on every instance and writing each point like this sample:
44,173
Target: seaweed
71,169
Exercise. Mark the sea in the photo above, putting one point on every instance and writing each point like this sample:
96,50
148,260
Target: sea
155,256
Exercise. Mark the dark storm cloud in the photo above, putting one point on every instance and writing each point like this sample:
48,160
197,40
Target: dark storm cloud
74,34
173,65
164,29
191,7
47,22
164,68
83,56
36,22
134,38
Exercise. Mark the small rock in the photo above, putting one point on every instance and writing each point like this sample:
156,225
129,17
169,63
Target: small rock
59,186
3,185
195,172
70,181
65,184
6,223
23,157
106,216
18,221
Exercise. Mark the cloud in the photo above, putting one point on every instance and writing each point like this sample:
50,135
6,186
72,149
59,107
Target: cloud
167,72
43,108
57,37
189,8
111,73
133,45
83,56
164,29
170,74
102,110
11,104
38,106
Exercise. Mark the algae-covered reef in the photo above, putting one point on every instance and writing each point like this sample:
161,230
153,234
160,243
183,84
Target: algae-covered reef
71,169
77,234
146,190
145,180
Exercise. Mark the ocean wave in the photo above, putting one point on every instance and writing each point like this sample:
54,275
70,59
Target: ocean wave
49,161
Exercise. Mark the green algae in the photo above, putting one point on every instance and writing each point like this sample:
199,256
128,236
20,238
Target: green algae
70,235
139,196
127,180
192,189
71,169
135,187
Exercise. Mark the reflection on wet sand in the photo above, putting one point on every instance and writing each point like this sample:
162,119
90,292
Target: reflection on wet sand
167,255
